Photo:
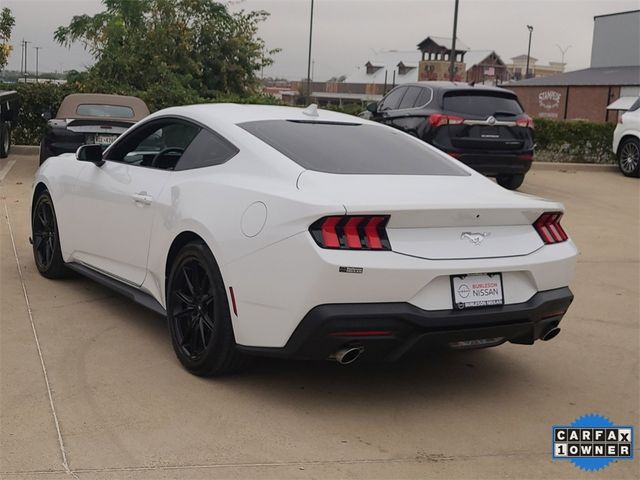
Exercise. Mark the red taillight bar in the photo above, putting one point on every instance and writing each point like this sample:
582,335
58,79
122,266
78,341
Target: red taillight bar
363,333
438,119
525,121
351,232
549,228
329,235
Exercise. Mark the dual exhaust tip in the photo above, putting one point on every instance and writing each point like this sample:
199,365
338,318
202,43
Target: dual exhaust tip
550,334
348,355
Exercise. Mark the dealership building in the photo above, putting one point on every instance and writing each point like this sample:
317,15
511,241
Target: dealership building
598,93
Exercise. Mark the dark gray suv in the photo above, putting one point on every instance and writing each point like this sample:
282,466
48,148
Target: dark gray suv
484,127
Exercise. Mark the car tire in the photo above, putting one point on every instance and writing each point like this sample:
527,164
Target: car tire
46,238
5,140
198,315
511,182
629,157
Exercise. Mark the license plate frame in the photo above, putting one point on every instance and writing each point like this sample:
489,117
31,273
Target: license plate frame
487,281
105,139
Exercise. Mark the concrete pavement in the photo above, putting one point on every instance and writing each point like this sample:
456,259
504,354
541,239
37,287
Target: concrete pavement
124,408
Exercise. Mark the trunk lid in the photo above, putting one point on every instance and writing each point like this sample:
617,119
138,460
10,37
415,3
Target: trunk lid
439,217
104,132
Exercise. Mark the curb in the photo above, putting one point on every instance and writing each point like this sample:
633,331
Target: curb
574,167
24,150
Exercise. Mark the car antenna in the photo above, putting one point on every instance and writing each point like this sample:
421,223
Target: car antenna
311,110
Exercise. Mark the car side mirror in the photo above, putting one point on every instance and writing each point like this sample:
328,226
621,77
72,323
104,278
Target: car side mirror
90,153
373,107
47,115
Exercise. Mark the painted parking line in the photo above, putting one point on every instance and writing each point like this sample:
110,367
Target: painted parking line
3,172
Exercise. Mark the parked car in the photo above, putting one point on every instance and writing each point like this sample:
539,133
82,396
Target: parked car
264,230
89,118
484,127
626,141
9,107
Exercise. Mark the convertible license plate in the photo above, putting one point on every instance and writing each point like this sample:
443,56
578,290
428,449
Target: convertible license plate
105,139
476,290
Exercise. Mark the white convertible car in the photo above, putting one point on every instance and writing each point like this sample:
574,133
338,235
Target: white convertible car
263,230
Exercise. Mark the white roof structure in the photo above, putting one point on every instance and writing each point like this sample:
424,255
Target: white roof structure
474,57
388,61
623,103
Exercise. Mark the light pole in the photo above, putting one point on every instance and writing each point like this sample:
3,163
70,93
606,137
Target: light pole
21,56
309,58
452,55
37,49
530,28
563,51
26,68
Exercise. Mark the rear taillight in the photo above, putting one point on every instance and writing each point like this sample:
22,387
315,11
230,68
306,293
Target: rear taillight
525,121
438,120
352,232
549,228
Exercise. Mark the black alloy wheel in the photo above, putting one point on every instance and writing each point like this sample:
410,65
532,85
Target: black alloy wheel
193,309
46,241
199,316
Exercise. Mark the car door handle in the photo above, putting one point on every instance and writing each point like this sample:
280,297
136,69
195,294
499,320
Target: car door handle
142,198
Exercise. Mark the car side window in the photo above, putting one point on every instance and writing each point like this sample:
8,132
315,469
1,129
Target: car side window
409,99
392,100
159,144
425,96
206,150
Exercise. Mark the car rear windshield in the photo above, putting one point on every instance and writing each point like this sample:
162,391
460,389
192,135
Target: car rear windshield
351,148
115,111
482,104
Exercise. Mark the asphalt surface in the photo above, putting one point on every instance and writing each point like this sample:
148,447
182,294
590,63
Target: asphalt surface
90,386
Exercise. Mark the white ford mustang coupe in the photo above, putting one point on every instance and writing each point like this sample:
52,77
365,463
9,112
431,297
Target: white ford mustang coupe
263,230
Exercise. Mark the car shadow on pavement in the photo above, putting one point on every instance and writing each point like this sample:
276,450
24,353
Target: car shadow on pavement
436,376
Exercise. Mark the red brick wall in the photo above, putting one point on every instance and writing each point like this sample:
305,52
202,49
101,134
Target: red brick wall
590,103
545,102
586,103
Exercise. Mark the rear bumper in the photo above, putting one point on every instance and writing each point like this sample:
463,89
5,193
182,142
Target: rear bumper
388,331
496,164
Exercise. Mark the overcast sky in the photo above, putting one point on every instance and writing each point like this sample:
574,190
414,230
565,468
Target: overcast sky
348,32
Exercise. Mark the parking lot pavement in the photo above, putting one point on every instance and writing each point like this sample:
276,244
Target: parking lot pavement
124,408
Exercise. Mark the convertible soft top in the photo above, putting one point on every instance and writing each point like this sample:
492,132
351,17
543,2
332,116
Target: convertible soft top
69,107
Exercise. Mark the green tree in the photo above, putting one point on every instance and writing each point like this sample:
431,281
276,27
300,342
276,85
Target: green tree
172,51
7,21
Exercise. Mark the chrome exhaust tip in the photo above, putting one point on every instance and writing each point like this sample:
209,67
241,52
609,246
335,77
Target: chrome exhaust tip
550,334
348,355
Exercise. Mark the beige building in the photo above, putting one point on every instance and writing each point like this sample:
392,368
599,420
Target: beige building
518,68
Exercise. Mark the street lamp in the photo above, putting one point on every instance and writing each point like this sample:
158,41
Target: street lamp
37,49
309,58
563,50
530,28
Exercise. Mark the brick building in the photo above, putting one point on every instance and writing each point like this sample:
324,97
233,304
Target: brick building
597,93
486,67
387,69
